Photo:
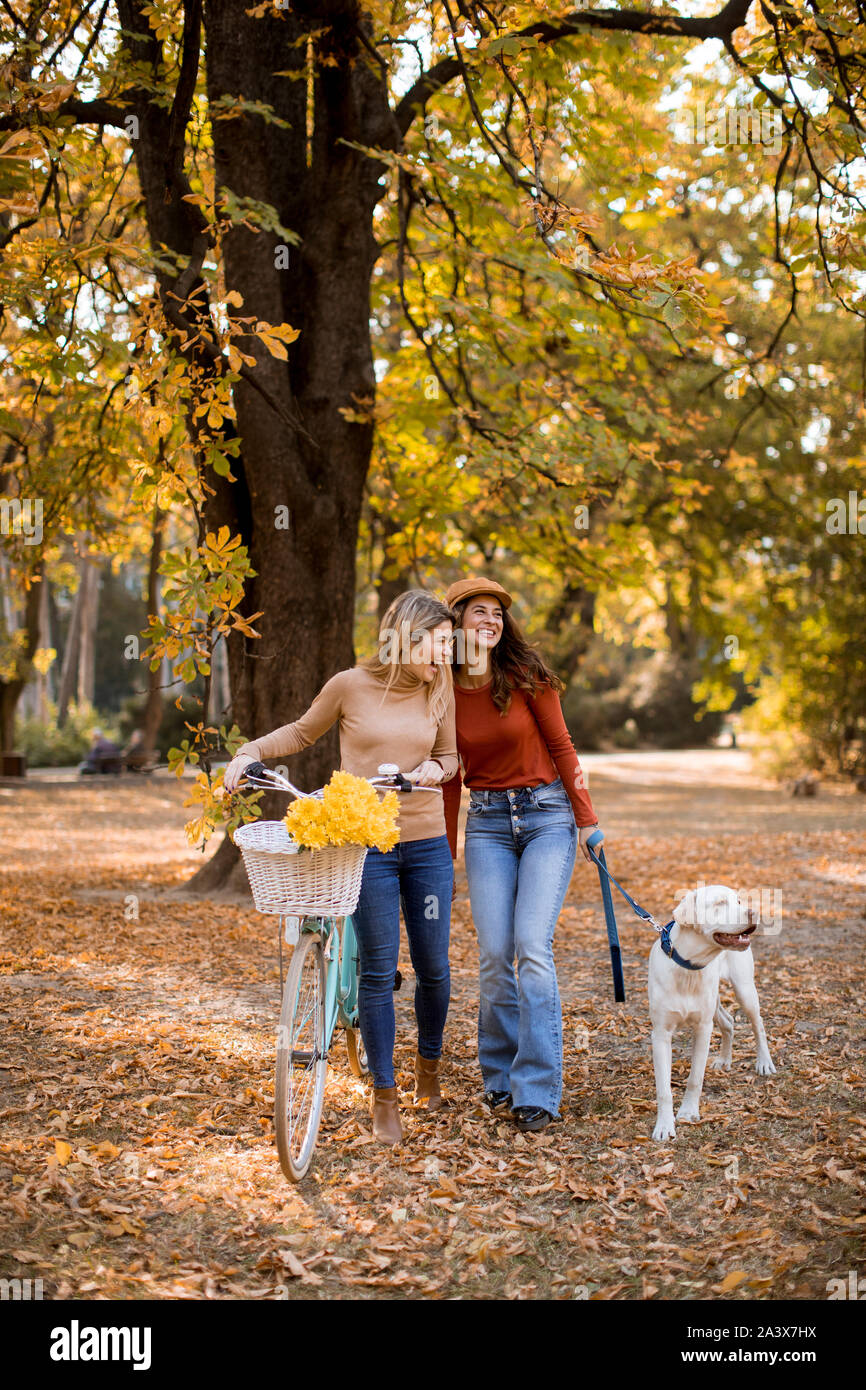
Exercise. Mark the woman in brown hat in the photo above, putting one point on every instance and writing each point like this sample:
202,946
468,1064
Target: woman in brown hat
528,810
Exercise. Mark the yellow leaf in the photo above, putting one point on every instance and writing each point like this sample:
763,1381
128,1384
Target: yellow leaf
274,347
62,1152
235,299
284,331
731,1281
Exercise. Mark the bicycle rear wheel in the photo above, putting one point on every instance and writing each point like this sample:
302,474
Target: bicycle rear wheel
302,1061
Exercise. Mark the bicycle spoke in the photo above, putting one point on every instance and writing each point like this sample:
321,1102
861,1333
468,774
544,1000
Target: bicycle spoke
299,1094
302,1060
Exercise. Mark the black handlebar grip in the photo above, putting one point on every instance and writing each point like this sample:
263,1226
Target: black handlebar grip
402,783
254,770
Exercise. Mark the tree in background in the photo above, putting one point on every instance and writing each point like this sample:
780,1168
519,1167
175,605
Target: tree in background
278,152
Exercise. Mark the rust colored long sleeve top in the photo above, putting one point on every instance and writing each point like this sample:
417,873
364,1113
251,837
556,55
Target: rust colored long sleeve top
376,726
528,745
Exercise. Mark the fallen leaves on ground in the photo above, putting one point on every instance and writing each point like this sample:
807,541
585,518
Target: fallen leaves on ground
137,1083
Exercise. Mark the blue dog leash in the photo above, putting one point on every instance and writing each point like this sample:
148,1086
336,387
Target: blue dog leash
606,878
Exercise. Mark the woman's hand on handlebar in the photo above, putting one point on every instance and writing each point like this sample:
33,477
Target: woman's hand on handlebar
429,773
235,770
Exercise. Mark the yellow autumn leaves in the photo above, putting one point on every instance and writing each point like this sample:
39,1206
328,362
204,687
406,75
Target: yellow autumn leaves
350,813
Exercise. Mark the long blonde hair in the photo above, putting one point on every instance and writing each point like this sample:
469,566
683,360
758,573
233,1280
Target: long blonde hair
409,614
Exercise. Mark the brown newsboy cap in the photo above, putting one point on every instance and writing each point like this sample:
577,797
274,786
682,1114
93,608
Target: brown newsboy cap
468,588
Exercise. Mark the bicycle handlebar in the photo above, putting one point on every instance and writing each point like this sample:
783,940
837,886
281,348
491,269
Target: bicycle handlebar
264,778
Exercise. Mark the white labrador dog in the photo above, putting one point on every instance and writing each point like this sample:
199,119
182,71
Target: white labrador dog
708,941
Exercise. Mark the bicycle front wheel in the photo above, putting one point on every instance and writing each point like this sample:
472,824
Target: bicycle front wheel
302,1061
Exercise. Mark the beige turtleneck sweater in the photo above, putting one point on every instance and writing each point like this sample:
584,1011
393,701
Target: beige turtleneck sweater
376,726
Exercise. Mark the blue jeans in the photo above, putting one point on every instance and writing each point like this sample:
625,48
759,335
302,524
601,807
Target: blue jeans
418,876
520,848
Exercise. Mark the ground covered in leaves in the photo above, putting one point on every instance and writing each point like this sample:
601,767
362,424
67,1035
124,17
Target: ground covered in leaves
137,1157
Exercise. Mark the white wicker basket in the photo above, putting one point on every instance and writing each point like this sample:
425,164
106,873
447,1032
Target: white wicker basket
295,882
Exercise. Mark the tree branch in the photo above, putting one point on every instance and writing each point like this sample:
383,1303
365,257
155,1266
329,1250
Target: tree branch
102,111
184,92
718,26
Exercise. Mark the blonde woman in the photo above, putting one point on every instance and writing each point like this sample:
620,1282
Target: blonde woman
397,707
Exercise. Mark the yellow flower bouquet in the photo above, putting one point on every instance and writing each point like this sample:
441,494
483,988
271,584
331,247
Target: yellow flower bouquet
350,813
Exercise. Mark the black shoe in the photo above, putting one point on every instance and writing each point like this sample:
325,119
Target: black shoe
497,1100
531,1117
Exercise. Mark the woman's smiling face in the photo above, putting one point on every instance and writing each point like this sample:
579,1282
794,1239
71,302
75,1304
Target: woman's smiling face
429,649
482,617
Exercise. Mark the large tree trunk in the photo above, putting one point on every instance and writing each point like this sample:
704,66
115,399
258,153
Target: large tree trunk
326,193
318,471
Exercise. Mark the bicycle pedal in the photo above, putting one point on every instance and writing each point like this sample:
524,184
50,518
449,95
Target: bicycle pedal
398,980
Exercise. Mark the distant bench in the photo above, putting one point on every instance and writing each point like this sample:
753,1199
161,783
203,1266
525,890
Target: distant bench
112,764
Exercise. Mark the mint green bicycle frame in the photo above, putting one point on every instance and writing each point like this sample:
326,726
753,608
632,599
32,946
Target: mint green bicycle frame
341,978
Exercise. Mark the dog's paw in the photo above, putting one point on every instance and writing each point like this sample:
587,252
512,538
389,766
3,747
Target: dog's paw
664,1130
720,1063
689,1114
764,1067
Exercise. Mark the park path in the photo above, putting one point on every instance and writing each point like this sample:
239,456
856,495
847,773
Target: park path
137,1084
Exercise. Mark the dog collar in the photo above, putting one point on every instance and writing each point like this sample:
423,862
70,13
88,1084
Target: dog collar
670,949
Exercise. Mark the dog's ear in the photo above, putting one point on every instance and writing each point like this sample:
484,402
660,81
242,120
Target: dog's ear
684,912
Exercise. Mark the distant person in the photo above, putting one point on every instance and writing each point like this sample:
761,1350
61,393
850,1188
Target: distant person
135,756
103,756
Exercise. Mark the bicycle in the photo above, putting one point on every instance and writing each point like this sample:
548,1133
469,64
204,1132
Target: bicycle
321,989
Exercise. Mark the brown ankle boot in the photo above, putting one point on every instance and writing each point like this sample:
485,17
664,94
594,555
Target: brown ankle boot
386,1115
427,1090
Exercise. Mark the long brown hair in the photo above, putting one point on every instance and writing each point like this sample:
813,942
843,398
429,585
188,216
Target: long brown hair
514,663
